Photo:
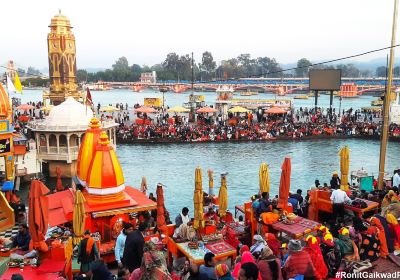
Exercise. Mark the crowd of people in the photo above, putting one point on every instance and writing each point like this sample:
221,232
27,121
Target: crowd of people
344,242
300,124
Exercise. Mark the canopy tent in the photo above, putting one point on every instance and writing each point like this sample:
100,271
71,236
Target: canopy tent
109,109
198,199
264,178
275,110
178,109
238,109
206,110
79,216
38,214
145,109
223,197
344,167
284,185
25,107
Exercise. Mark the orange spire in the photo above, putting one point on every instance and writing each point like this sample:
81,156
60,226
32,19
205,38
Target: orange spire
87,148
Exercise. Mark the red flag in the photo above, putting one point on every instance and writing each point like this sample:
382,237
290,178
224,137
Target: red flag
89,101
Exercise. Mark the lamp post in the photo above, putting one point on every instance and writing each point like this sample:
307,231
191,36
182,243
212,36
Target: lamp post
163,89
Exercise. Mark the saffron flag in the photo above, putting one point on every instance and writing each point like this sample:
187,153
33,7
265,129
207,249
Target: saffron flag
88,100
10,85
17,83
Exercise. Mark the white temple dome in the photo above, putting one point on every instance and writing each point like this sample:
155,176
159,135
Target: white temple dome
70,113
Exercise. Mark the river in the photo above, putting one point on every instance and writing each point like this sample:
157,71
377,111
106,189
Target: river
173,164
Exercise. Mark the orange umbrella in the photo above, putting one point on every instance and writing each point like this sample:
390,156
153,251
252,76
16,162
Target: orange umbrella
38,214
59,186
25,107
275,110
206,110
284,185
160,208
145,109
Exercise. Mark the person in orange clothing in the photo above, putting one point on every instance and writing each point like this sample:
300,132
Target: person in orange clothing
394,228
377,227
314,251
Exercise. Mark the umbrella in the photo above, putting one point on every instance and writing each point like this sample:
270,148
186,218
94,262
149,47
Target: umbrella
284,185
264,178
276,110
143,185
145,109
206,110
198,199
238,109
38,214
344,167
109,109
160,208
25,107
79,216
59,186
223,196
210,182
178,109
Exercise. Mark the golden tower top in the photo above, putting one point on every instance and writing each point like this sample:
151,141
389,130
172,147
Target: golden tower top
62,61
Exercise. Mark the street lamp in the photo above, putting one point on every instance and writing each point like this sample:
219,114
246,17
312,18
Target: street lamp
163,89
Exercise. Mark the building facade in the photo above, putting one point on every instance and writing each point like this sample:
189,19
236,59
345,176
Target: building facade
148,77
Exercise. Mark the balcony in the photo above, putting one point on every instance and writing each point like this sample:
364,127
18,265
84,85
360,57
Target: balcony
51,153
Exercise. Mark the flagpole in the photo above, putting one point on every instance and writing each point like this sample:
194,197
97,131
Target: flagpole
386,104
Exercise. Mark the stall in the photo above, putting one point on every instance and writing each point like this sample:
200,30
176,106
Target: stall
297,228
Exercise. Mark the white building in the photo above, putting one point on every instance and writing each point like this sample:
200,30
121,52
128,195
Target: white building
395,109
148,77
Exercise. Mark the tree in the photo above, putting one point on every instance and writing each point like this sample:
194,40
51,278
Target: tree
81,75
208,65
170,64
121,70
302,67
33,71
381,71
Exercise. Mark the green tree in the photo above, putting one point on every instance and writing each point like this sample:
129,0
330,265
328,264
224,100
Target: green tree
380,71
170,64
303,66
121,70
81,76
207,66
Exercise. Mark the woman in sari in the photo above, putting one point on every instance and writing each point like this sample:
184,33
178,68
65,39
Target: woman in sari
331,254
377,228
273,243
314,251
348,248
269,265
394,228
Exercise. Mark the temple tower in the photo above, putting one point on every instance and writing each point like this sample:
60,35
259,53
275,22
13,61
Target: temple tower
62,61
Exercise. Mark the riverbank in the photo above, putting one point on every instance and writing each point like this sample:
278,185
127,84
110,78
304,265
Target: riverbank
283,138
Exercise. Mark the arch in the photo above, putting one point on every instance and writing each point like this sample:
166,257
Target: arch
63,140
42,140
52,140
73,140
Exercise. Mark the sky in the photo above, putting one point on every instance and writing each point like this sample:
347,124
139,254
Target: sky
146,31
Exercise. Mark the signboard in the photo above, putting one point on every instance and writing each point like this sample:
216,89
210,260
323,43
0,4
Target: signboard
327,79
153,102
4,126
5,146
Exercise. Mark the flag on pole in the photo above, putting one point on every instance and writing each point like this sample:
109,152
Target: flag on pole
88,99
10,86
17,83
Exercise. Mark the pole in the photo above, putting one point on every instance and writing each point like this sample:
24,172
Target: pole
330,106
386,104
316,100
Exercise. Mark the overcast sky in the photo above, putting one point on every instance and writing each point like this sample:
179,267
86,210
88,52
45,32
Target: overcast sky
146,31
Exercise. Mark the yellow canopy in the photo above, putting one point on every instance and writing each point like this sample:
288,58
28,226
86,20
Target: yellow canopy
79,216
223,197
210,182
198,199
109,109
238,109
178,109
264,178
344,167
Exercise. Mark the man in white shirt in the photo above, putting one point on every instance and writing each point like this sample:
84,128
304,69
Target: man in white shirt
338,198
120,243
396,178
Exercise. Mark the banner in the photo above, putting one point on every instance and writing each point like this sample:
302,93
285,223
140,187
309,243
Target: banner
5,146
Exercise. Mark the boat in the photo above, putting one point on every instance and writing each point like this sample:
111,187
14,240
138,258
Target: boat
301,96
377,102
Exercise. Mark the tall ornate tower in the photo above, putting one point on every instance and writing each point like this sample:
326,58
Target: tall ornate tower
62,61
